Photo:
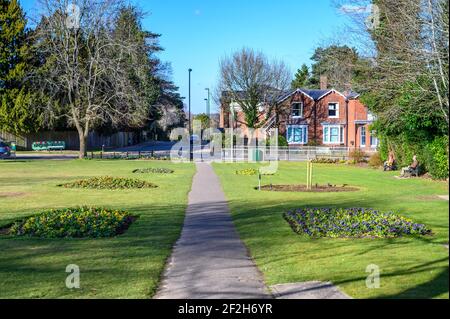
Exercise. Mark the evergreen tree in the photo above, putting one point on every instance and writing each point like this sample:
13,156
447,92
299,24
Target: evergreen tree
338,63
301,79
16,108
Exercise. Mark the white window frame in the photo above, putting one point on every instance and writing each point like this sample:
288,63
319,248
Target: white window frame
303,127
372,139
363,140
301,110
337,110
341,134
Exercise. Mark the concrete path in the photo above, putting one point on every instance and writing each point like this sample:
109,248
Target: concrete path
308,290
209,260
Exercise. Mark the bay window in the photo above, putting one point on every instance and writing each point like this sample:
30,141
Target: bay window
363,136
297,134
333,134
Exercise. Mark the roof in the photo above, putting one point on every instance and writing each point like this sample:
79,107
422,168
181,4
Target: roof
313,94
317,95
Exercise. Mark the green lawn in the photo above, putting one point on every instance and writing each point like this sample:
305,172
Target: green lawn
410,267
127,266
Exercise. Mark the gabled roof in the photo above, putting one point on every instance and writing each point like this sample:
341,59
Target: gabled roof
317,95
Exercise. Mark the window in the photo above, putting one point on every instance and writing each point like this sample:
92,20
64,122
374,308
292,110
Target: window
297,134
373,140
333,109
297,109
333,134
363,136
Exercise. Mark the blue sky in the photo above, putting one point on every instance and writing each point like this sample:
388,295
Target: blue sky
197,33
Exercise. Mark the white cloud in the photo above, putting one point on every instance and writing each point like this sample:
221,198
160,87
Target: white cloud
348,8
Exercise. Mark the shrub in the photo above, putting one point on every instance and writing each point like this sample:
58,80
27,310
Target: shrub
435,157
282,142
357,156
326,160
375,160
74,222
351,222
158,170
108,182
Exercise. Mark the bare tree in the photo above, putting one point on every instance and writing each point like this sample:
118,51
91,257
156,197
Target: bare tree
86,68
250,80
407,41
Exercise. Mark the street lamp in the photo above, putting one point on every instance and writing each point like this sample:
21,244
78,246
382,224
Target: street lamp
208,105
206,100
191,155
189,102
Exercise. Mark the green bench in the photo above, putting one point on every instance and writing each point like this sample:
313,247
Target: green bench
49,146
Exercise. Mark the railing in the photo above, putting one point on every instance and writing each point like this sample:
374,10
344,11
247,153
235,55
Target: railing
237,154
284,153
270,123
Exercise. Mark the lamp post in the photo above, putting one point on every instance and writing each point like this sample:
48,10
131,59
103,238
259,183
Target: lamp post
189,102
191,155
208,105
206,100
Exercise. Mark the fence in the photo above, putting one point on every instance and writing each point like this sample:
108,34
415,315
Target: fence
242,154
71,139
284,153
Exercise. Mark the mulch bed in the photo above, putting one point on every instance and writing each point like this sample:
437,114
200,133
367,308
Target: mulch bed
315,188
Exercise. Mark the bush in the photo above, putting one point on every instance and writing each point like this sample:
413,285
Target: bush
159,170
326,160
352,223
435,158
74,222
282,142
375,160
108,182
357,156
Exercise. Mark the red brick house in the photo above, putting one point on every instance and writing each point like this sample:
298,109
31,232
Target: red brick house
314,117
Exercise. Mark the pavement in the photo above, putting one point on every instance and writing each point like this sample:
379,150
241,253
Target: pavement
308,290
209,261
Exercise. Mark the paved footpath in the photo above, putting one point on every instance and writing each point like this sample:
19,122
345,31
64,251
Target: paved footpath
209,260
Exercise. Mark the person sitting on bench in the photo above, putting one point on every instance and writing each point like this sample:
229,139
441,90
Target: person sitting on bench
411,168
389,165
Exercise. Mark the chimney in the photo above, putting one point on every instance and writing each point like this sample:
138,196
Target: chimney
323,82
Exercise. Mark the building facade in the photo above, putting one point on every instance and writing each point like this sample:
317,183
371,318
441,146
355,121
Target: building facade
312,117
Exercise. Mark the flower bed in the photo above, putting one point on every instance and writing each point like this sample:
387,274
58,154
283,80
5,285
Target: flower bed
250,172
351,223
323,160
74,223
314,189
159,170
109,182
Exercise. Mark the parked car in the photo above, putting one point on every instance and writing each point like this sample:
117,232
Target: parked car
5,150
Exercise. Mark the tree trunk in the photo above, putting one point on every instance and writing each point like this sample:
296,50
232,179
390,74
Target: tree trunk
83,150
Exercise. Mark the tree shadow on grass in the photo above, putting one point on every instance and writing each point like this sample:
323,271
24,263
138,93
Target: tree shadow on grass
261,225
